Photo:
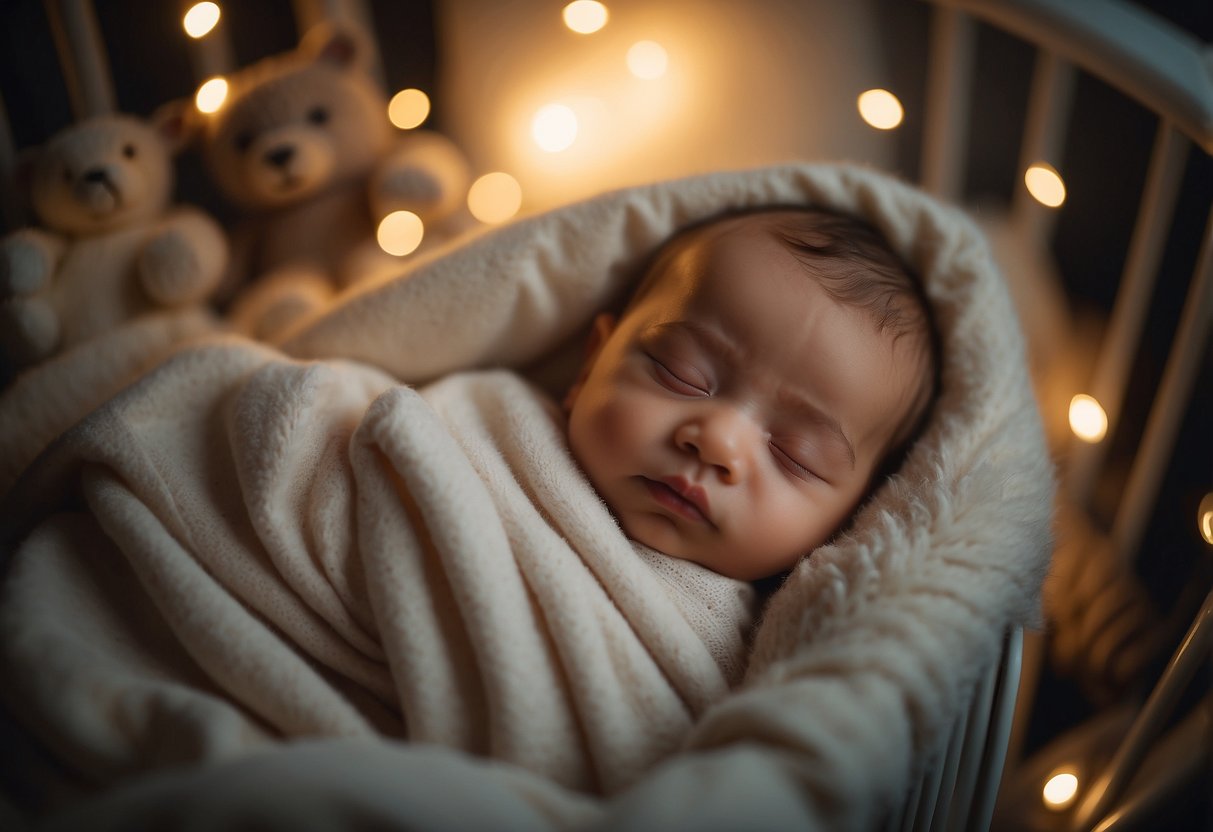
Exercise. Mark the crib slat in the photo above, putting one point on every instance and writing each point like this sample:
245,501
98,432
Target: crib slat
82,56
949,87
1158,708
964,755
1132,49
1003,712
1120,344
1174,391
1043,141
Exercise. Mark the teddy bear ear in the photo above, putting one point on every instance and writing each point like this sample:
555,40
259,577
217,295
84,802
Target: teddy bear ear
175,123
339,44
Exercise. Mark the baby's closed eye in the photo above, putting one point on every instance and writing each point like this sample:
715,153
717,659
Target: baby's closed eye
797,457
680,377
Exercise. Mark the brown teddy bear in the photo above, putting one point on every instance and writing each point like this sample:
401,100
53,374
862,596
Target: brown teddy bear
304,146
109,247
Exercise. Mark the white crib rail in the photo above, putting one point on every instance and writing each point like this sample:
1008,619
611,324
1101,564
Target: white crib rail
1171,74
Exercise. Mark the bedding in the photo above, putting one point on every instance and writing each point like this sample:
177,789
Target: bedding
261,564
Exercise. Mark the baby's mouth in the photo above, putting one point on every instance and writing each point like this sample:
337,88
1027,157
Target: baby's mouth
681,497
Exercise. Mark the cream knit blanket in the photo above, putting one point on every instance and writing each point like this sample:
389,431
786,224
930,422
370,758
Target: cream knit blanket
334,561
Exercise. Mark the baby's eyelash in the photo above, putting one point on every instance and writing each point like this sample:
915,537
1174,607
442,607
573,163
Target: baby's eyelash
672,381
793,467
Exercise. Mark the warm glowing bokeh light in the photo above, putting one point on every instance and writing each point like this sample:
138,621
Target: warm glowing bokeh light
1045,185
648,60
1205,518
554,127
494,197
201,19
1087,418
585,16
1060,789
880,109
408,108
400,233
211,95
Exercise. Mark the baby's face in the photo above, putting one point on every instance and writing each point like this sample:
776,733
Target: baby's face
735,415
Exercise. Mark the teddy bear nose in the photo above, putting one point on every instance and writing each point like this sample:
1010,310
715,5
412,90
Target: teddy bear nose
95,175
279,156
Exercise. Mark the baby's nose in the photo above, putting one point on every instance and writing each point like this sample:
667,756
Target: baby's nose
722,438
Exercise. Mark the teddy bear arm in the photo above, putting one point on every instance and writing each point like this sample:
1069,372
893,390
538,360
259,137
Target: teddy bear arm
29,330
184,260
428,176
29,258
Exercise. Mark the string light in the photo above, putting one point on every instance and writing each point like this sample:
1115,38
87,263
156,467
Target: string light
408,108
1087,418
1045,184
400,232
1205,518
554,127
880,109
1060,789
585,16
494,197
211,95
201,19
647,60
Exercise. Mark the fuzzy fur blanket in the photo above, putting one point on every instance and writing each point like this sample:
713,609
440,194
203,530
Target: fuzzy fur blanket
249,543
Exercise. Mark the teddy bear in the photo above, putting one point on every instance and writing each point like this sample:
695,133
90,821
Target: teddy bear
303,147
109,247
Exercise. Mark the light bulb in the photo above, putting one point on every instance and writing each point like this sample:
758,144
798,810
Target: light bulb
1045,185
1087,418
554,127
880,109
648,60
494,197
1060,789
201,19
585,16
408,108
211,95
400,233
1205,517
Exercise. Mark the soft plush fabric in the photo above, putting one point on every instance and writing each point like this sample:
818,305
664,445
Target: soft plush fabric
859,662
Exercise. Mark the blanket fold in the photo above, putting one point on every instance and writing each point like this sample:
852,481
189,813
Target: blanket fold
342,556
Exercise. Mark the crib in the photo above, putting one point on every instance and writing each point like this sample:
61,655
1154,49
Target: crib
1114,284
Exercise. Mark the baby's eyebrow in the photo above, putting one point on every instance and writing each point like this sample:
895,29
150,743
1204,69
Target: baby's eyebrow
708,338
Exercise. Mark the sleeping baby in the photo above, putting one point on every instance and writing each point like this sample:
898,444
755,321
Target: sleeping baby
769,369
268,548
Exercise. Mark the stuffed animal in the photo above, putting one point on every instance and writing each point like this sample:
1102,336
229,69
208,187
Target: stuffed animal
109,247
304,147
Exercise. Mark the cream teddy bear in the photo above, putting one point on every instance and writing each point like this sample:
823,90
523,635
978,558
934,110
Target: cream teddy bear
304,146
109,248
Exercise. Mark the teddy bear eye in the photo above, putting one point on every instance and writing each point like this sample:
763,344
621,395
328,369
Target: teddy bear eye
128,151
318,115
244,140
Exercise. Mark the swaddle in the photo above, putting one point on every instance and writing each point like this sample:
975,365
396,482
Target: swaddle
859,661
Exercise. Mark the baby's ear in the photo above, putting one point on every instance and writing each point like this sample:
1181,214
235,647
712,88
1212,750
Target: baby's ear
604,325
